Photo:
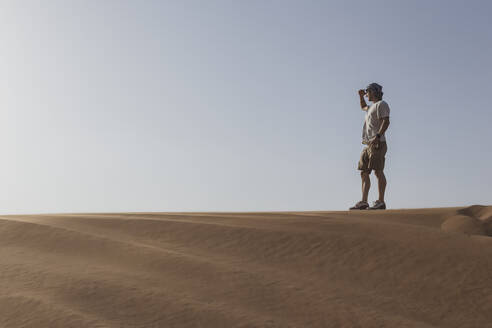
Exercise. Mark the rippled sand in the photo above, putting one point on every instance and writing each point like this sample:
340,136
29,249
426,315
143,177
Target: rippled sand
393,268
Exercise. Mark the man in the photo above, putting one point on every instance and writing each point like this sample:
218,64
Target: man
372,157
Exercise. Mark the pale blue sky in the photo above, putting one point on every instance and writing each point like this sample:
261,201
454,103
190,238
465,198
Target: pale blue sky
111,106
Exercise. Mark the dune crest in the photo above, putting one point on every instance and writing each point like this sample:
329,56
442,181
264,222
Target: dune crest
393,268
472,220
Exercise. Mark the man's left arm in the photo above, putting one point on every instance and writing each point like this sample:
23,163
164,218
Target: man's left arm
385,122
384,125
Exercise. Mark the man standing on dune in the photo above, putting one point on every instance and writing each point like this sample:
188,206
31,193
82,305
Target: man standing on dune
373,155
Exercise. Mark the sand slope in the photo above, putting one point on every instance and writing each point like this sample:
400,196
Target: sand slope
394,268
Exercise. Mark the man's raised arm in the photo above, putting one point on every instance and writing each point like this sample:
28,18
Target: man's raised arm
363,104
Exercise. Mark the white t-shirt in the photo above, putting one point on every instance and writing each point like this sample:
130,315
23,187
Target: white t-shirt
372,121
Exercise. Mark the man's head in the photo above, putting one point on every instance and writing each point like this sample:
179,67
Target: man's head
374,92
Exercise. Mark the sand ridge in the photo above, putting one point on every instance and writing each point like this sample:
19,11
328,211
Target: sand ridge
393,268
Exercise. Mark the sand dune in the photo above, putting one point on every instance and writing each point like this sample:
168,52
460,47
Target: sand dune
394,268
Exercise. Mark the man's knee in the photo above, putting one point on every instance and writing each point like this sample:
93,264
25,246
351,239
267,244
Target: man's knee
379,173
365,174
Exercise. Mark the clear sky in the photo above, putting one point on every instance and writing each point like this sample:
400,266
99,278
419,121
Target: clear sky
112,106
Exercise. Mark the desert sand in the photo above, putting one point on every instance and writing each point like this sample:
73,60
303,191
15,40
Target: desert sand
393,268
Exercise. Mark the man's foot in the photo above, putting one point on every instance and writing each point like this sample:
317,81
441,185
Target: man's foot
378,205
360,206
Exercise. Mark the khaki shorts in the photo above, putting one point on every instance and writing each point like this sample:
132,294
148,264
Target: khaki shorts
372,158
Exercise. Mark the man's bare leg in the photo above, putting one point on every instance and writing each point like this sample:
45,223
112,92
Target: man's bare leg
381,183
366,184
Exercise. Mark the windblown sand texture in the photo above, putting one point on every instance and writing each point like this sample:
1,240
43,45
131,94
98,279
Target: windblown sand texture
393,268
